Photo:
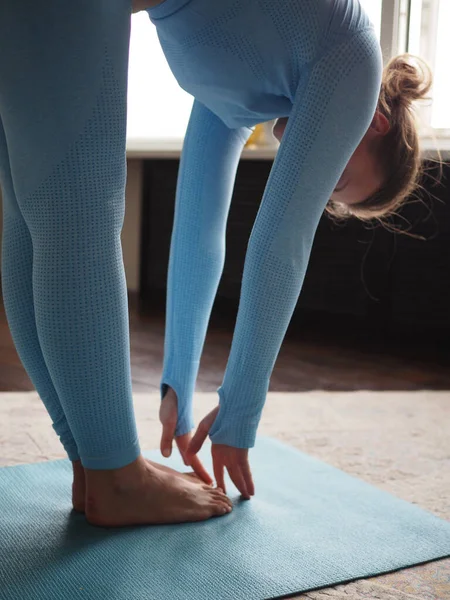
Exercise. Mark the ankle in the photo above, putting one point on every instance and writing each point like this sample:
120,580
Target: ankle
115,478
78,469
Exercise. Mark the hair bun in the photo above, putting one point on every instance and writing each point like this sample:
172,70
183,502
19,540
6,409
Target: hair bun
406,78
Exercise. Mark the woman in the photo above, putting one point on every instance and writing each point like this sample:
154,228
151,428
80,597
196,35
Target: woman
316,64
348,144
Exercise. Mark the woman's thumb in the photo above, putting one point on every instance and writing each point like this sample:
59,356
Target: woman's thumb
167,436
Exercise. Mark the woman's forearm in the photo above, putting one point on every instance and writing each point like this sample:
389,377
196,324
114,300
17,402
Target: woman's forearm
205,184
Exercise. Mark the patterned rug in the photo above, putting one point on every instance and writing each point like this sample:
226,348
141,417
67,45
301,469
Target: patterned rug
397,441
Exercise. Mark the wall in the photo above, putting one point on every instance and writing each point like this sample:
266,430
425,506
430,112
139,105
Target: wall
131,231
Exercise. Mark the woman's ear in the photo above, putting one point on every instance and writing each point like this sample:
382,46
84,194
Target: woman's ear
380,123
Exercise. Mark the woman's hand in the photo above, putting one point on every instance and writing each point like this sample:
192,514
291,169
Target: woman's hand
234,459
168,415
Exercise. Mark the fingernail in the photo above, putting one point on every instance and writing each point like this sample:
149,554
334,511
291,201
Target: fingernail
166,452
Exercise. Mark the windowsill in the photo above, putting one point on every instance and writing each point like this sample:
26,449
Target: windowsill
148,148
140,148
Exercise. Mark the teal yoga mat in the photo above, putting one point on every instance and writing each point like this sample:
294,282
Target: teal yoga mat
309,526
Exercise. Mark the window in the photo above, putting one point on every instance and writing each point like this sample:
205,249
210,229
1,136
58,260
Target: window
428,37
158,109
441,113
373,10
419,27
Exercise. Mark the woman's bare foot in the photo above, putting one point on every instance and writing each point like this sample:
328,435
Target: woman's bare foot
141,494
79,482
78,487
191,475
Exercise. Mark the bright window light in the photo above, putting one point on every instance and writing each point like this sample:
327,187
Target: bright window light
158,109
373,10
441,89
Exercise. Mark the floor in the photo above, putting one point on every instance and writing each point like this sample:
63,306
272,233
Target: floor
367,438
313,360
396,441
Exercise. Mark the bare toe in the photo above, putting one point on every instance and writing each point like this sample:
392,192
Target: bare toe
219,494
220,508
220,498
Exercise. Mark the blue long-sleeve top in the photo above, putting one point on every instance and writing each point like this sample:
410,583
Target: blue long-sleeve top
317,62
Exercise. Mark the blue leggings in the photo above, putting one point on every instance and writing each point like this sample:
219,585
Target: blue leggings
63,87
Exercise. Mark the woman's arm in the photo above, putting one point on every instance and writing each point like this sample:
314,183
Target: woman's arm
207,172
331,113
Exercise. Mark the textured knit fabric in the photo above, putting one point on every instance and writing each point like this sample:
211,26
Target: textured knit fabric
63,76
248,61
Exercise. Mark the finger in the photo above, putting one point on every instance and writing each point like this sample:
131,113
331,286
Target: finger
219,473
247,474
198,467
168,433
238,479
202,431
198,440
183,442
168,419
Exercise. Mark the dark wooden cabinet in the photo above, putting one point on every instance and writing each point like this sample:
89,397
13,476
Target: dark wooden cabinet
360,275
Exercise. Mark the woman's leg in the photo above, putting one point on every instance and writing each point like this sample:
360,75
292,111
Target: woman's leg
17,267
63,76
17,291
63,105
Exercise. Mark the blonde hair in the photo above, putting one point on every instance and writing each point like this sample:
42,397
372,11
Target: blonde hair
406,78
